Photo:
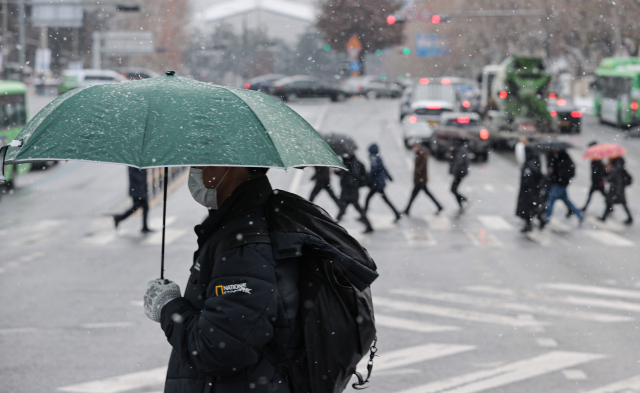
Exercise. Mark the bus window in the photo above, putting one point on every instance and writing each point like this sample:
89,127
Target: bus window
13,112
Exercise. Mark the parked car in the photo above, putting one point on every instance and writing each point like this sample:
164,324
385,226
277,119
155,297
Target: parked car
134,74
355,85
422,118
294,87
568,115
378,89
263,82
456,125
405,102
72,79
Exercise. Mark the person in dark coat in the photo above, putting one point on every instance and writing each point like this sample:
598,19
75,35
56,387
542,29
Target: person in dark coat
233,305
421,175
529,201
597,179
378,176
618,180
323,182
561,170
350,189
138,192
459,169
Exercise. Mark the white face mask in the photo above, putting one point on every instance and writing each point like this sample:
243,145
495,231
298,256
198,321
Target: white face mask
205,196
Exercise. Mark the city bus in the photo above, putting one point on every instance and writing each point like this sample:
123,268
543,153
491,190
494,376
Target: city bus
13,116
617,91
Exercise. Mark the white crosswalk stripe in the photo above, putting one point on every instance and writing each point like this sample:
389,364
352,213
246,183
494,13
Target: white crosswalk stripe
482,238
495,223
608,238
120,383
629,385
413,325
513,372
507,305
456,313
593,290
419,237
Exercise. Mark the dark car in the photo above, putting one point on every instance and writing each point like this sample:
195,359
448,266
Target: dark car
134,74
456,125
378,88
295,87
568,115
263,82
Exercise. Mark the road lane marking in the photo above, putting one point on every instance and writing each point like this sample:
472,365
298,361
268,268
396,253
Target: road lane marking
106,325
100,238
546,342
506,305
557,226
456,313
495,223
576,300
170,236
607,225
608,238
482,238
545,239
44,225
419,237
513,372
574,375
156,222
381,221
489,188
628,385
17,330
407,356
439,222
120,383
592,290
413,325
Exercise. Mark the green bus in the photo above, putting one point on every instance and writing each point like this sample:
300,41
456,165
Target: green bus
617,91
13,116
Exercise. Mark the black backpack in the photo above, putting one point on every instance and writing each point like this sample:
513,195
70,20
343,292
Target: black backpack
336,310
627,179
360,173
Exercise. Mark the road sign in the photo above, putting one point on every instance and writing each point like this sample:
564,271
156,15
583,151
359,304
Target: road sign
425,14
428,45
354,66
60,14
411,14
354,46
127,43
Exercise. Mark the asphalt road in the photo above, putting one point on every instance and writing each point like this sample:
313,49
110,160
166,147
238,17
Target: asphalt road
463,304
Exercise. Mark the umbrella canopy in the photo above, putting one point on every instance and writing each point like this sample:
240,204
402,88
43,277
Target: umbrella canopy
341,144
604,150
551,146
171,121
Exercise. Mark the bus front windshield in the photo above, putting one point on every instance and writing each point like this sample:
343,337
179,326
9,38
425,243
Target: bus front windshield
434,92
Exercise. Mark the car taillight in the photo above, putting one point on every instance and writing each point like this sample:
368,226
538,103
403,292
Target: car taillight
434,107
553,113
484,134
424,81
413,119
576,114
466,104
446,81
561,102
553,96
247,85
463,120
279,87
503,94
634,106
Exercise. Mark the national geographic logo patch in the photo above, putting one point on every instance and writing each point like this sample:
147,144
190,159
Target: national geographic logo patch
224,289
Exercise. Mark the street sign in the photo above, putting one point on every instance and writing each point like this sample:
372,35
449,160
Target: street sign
429,45
43,61
354,46
425,14
58,14
411,14
354,66
127,43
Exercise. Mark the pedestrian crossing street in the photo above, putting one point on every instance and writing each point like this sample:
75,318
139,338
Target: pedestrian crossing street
533,313
481,230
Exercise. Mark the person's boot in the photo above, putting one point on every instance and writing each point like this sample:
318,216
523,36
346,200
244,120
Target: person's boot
369,229
629,221
405,212
116,222
146,229
527,227
569,213
440,209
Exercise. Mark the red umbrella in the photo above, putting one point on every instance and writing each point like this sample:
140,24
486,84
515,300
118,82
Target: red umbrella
604,150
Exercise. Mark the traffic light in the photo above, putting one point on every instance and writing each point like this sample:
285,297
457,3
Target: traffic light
391,19
437,18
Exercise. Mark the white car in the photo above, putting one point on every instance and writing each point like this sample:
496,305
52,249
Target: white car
422,118
72,79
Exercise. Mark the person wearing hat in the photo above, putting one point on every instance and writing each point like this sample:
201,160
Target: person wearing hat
378,176
420,175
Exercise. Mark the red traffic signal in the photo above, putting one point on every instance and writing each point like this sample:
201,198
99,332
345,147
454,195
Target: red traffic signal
435,19
391,19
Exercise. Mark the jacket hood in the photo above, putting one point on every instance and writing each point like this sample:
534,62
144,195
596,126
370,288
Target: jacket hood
373,149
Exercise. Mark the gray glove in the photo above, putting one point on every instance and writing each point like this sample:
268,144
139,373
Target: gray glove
159,293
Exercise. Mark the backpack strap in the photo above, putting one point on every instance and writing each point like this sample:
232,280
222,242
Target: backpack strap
240,238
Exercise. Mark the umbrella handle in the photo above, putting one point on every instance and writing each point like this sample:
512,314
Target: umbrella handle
164,219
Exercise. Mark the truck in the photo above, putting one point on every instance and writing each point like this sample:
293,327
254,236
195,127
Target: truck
514,100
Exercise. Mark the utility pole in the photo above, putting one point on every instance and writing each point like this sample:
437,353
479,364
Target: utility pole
21,41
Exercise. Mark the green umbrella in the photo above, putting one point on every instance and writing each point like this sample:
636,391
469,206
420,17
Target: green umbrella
170,121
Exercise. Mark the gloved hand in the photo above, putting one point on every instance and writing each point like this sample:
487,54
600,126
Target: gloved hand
159,293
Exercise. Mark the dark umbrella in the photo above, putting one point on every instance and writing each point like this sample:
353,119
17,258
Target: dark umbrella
548,146
341,144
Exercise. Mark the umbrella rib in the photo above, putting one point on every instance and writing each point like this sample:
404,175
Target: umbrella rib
259,120
146,125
